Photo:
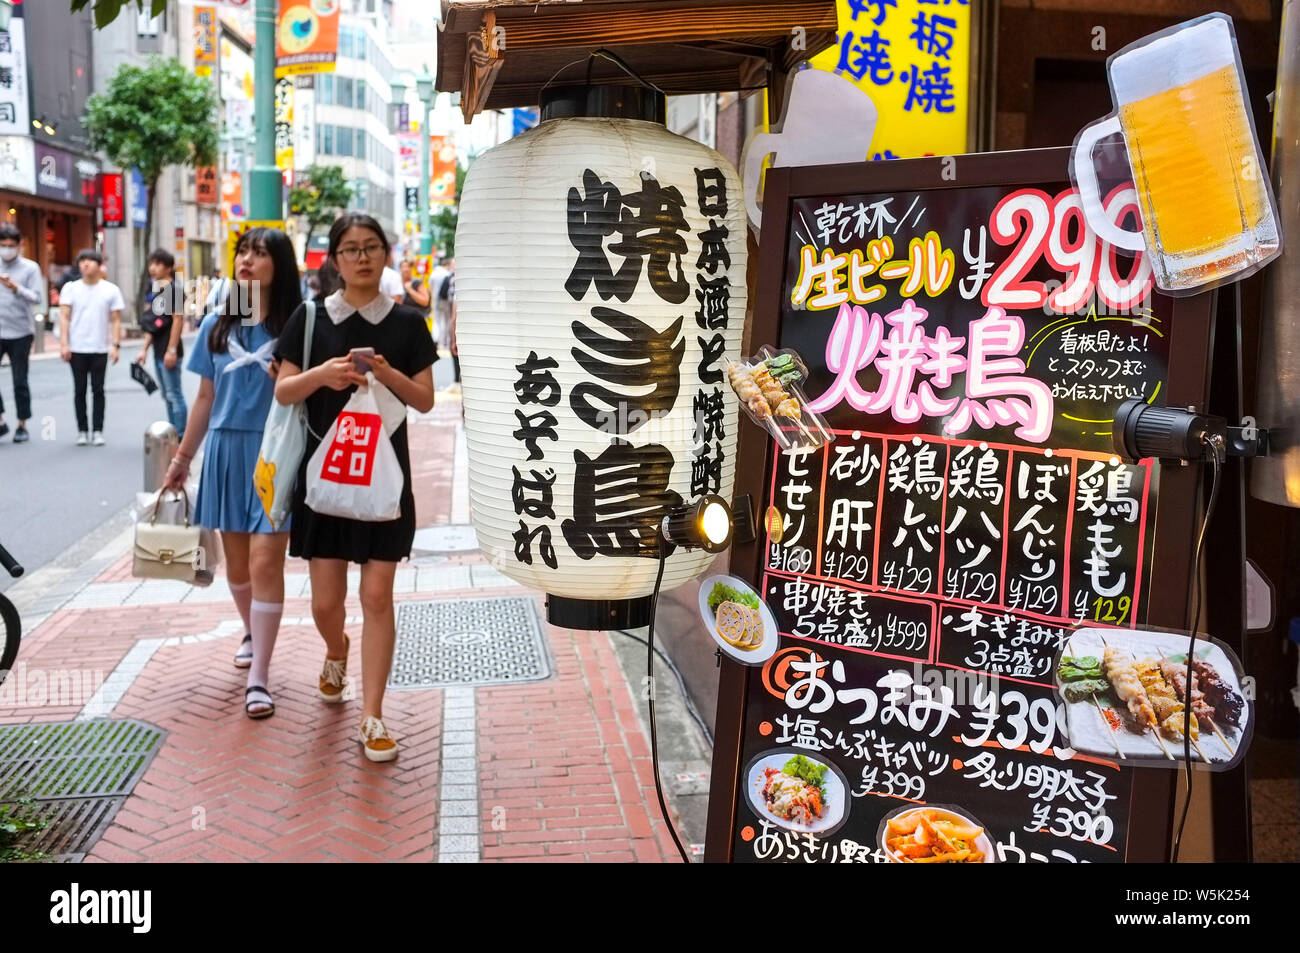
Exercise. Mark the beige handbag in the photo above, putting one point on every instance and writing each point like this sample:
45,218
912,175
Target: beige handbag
167,550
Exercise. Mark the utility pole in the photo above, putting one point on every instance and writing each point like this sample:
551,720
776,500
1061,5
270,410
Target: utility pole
266,186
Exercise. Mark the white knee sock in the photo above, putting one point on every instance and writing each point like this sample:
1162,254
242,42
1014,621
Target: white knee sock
243,593
266,626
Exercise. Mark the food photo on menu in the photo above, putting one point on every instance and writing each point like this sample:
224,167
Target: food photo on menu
1126,697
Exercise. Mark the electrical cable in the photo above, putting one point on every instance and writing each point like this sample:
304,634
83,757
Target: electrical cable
1215,447
650,674
687,703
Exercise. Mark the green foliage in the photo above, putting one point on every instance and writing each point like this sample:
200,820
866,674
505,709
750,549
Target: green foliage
154,116
15,822
319,194
106,11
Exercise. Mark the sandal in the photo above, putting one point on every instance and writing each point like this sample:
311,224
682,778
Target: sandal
334,675
263,699
378,743
244,657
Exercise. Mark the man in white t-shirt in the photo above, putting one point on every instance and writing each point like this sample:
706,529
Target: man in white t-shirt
90,330
390,283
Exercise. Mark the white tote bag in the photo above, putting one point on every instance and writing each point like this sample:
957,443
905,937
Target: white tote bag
284,441
354,472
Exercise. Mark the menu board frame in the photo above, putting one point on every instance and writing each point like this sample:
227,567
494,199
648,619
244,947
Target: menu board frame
1187,385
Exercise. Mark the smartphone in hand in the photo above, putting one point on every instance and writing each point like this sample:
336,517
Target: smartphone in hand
361,358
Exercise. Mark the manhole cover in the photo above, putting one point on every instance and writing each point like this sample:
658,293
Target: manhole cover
468,642
458,538
77,773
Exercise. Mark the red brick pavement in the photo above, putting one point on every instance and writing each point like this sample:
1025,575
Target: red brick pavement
564,766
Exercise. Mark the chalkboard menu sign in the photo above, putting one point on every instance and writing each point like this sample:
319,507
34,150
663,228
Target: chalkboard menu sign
968,339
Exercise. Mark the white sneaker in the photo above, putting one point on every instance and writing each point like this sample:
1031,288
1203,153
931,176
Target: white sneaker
83,438
97,439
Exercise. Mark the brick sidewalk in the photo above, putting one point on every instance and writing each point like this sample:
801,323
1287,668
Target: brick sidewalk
555,770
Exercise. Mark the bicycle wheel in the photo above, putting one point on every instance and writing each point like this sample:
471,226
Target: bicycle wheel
12,632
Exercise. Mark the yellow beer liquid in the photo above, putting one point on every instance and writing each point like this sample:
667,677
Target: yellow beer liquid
1193,160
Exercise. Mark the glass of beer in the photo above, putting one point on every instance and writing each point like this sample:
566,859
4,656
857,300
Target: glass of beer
1208,214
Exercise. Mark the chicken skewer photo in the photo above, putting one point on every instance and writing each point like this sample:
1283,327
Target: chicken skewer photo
1227,704
742,382
1121,674
787,372
1169,709
780,403
1176,672
1102,715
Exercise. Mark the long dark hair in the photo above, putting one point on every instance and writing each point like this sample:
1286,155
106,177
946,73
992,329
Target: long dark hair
354,220
286,292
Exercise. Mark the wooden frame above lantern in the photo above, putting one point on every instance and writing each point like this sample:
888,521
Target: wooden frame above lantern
500,53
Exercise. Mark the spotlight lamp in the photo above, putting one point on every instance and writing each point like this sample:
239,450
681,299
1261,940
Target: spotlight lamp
1142,431
705,524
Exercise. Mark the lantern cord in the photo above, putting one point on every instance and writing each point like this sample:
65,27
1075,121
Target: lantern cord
650,673
613,58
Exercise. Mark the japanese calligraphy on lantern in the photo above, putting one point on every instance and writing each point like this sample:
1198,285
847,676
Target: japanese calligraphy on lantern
912,57
968,348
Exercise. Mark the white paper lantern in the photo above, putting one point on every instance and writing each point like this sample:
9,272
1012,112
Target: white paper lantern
596,261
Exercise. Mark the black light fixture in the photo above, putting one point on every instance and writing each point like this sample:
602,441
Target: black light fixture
1168,433
705,524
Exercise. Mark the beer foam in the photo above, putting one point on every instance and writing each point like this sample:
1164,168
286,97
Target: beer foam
1172,60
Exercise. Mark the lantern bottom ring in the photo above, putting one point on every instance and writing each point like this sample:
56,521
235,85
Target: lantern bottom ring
593,614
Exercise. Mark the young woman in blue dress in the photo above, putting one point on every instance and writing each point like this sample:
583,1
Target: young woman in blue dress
234,354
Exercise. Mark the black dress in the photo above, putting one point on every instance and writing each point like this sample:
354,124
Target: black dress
403,338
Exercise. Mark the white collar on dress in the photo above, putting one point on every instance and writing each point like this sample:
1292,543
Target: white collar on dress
374,312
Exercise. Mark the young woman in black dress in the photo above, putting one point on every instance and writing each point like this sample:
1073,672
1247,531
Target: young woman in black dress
356,316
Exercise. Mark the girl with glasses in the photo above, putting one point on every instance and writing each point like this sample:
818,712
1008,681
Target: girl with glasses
357,316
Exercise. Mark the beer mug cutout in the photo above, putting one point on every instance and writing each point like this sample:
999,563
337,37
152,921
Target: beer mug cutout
1208,214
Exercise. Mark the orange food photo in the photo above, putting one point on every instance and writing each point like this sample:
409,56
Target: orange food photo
932,836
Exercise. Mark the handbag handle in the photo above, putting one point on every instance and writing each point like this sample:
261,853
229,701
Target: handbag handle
309,325
158,502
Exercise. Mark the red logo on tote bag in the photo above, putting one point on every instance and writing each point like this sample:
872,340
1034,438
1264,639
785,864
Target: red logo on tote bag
351,457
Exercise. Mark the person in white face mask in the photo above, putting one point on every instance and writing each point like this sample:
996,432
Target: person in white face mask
21,287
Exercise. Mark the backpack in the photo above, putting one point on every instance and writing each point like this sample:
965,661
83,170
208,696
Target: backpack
444,291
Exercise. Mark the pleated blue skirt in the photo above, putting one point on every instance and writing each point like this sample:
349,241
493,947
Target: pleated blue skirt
228,500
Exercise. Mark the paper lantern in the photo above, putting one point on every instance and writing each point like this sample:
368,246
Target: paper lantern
600,277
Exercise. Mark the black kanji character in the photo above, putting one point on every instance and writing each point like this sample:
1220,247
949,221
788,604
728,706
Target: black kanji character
533,427
650,225
536,380
713,248
619,500
593,218
543,483
714,296
524,545
706,471
640,357
712,349
711,191
710,413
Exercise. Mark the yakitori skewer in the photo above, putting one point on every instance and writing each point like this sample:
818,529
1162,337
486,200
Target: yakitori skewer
1177,674
1105,725
1171,712
1128,687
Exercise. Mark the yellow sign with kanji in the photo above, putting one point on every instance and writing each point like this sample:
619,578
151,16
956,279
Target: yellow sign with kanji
912,58
235,231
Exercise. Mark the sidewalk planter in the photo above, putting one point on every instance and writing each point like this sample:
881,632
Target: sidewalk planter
600,277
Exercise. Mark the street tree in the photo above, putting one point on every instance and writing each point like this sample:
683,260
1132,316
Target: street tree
106,11
149,118
319,194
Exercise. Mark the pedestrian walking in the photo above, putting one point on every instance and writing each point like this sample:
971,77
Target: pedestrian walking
416,295
390,284
162,323
90,331
20,289
235,359
358,316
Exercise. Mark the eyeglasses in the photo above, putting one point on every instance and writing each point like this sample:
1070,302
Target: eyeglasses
356,253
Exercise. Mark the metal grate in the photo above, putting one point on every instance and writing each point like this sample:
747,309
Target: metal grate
468,642
78,775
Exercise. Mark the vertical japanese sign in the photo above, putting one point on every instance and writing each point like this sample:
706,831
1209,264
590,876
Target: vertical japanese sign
139,199
232,196
969,347
913,58
206,189
205,40
307,40
284,128
113,199
15,118
442,169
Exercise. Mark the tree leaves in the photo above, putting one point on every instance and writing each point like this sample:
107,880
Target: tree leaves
106,11
154,116
320,192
